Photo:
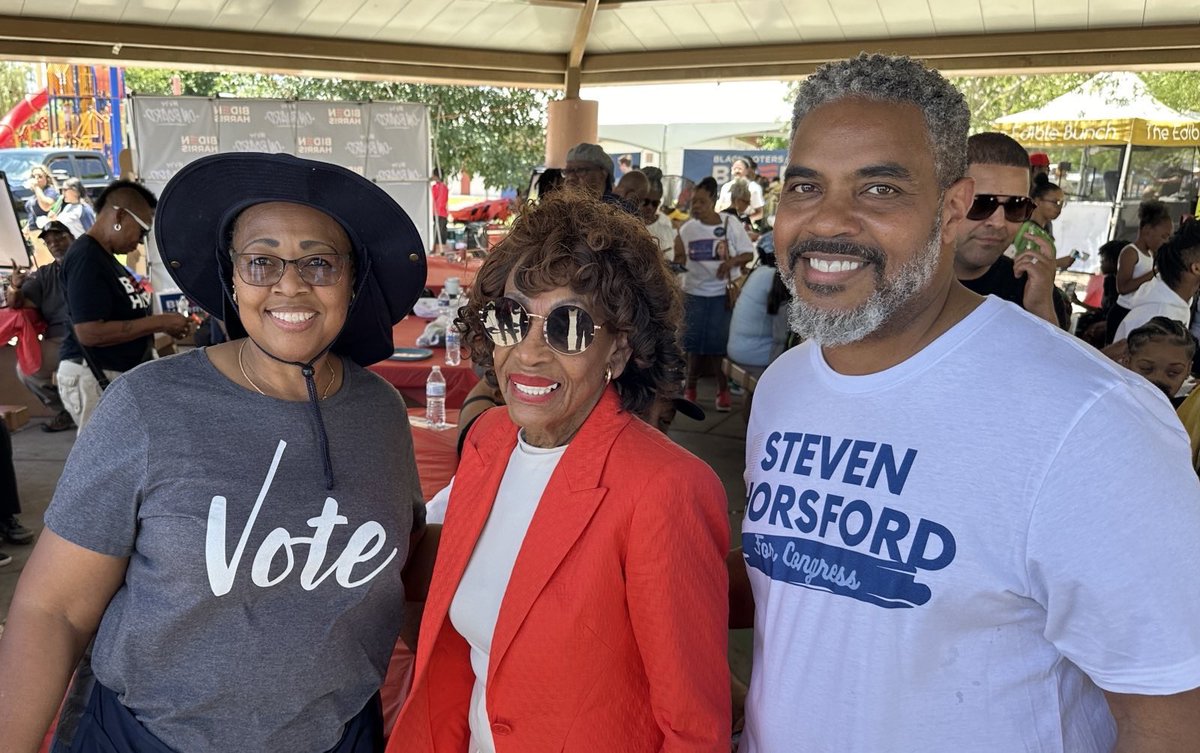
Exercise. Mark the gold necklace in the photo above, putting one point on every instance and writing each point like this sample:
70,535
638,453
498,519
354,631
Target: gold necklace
242,366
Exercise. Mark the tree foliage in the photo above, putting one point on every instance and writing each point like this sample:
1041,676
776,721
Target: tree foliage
497,134
992,97
14,83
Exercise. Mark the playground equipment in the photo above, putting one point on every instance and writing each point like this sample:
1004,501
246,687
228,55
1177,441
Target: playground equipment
79,108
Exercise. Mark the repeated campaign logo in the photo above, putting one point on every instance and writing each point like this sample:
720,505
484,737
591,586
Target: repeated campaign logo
169,113
228,113
399,118
801,531
314,145
344,115
197,144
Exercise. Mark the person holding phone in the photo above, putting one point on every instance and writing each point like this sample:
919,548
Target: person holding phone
1001,204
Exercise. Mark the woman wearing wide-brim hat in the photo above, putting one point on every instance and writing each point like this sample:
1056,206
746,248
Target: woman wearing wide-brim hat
235,520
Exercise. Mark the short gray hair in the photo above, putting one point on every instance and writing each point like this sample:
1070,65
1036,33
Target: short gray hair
739,190
895,78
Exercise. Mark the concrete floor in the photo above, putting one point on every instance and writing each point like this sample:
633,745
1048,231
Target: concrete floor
719,440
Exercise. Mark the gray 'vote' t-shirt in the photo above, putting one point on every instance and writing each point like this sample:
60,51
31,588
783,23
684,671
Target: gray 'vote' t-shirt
259,609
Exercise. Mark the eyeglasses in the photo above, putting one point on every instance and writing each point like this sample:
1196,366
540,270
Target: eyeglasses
572,171
145,228
262,270
1056,202
568,329
652,203
1016,208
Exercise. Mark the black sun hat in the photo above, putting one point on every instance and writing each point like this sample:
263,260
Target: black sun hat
199,205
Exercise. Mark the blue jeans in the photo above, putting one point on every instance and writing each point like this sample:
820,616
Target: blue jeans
108,727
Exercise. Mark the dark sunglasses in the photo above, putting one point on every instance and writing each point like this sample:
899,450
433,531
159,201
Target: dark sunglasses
262,270
567,329
1016,208
651,203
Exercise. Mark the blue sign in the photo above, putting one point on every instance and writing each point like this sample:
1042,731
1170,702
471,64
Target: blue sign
701,163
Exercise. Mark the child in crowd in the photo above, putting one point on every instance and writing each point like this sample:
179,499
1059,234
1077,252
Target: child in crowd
1093,325
1161,350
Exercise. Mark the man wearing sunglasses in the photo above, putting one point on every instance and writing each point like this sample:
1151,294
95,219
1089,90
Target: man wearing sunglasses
943,550
112,327
1000,168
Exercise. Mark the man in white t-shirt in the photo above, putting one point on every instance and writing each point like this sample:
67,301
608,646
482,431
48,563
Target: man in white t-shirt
943,550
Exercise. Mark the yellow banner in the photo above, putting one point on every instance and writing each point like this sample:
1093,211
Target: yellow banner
1103,132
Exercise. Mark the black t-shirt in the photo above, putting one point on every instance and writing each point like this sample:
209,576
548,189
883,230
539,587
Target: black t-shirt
1000,282
99,288
44,289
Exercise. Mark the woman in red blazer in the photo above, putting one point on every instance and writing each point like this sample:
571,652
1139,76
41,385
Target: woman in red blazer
579,599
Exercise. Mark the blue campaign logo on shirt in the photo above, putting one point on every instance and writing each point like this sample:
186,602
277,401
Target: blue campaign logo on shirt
702,249
816,537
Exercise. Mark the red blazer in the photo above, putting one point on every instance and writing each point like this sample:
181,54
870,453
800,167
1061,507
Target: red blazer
612,634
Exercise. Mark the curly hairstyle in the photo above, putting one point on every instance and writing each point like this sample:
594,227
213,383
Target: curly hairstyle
888,78
597,250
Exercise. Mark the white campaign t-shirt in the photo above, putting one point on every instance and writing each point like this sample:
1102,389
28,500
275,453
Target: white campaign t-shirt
938,570
476,603
706,246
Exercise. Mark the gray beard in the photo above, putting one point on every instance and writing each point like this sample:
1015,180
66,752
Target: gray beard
834,327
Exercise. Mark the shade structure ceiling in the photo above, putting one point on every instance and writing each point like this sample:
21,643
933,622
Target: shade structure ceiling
568,43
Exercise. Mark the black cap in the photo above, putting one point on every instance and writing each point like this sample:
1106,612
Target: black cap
54,226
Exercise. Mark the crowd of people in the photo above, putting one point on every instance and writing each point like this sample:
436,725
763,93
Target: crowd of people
964,529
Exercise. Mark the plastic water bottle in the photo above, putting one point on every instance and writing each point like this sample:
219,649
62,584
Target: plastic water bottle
435,399
453,345
443,305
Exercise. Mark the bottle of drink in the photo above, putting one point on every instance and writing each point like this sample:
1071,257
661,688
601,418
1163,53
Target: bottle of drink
453,345
443,304
435,399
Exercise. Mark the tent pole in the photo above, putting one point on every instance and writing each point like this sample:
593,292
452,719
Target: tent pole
1116,213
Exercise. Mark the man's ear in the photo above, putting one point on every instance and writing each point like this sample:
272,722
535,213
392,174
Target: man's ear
956,201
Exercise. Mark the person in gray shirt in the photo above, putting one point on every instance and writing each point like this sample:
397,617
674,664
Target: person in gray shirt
233,525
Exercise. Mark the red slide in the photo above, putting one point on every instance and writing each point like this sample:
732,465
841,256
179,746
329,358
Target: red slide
24,110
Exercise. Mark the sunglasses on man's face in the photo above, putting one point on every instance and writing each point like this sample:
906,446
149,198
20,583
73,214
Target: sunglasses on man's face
568,329
652,203
1016,208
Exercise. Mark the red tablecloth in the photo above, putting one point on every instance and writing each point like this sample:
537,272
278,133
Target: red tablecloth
439,268
437,453
409,376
